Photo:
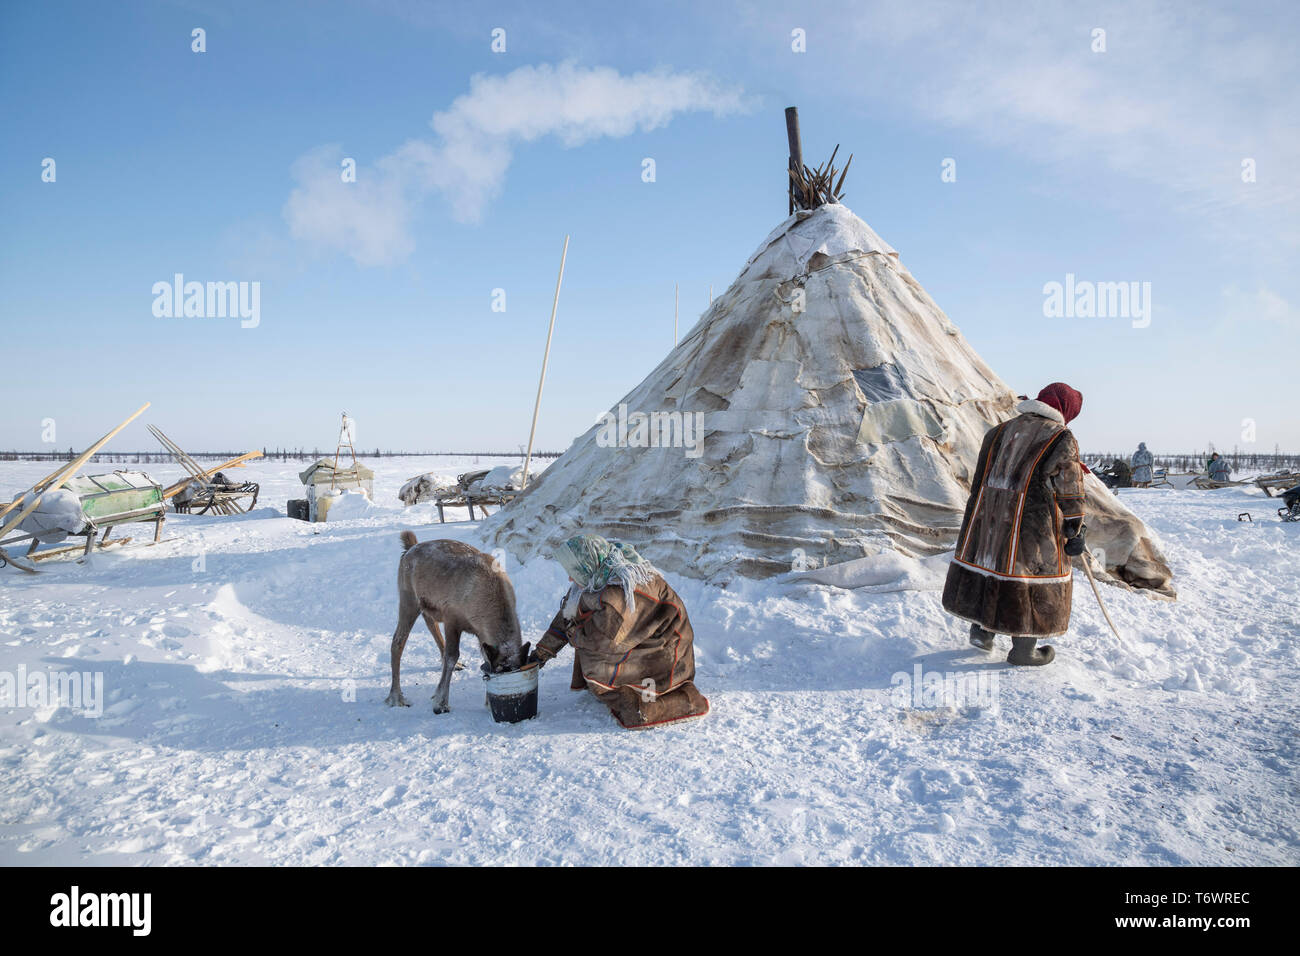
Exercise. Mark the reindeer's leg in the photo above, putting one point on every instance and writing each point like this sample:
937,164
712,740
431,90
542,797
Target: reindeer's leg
407,612
449,658
433,629
437,636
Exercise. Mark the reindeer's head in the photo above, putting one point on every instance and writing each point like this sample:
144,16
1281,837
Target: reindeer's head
509,651
511,659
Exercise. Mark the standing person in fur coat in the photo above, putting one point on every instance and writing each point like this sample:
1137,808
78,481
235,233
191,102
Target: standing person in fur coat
1142,462
1024,522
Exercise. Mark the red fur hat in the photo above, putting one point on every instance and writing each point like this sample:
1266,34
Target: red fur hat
1063,398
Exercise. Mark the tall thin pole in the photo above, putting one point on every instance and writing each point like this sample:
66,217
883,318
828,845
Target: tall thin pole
546,357
797,198
674,314
710,293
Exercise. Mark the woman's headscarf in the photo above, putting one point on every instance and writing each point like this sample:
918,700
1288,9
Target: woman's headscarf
595,563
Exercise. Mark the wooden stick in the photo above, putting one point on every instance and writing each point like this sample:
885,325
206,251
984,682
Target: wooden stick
67,472
675,287
1093,581
839,189
546,357
175,450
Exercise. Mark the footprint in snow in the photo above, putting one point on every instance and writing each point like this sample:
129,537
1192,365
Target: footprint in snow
390,797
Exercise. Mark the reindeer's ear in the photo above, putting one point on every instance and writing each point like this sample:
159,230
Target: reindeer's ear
523,652
489,655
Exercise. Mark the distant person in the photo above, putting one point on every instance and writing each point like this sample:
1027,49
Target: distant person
1024,522
1219,468
1142,462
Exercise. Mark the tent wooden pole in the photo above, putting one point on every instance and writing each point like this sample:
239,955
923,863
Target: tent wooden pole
675,298
66,473
546,357
797,198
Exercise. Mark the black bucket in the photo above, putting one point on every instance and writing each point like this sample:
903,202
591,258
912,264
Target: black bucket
512,696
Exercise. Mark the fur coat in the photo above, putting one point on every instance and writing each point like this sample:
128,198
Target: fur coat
1010,573
638,660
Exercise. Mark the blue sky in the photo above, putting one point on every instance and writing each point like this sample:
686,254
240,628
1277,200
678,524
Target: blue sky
1122,165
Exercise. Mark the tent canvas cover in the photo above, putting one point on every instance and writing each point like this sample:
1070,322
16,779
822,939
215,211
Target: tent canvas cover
841,414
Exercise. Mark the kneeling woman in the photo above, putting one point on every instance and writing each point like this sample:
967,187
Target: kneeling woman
633,646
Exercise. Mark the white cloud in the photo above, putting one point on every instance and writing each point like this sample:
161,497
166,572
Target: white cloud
368,218
475,140
1183,93
1261,304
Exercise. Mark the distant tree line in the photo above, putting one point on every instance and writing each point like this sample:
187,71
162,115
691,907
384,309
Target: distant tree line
1177,462
1195,461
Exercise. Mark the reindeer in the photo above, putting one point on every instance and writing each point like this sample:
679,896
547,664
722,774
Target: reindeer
451,583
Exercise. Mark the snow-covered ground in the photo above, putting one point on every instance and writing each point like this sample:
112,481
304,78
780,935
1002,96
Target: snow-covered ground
245,664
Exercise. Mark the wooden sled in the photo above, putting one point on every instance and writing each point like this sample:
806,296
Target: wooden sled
462,497
106,502
1209,484
200,493
52,482
1270,483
